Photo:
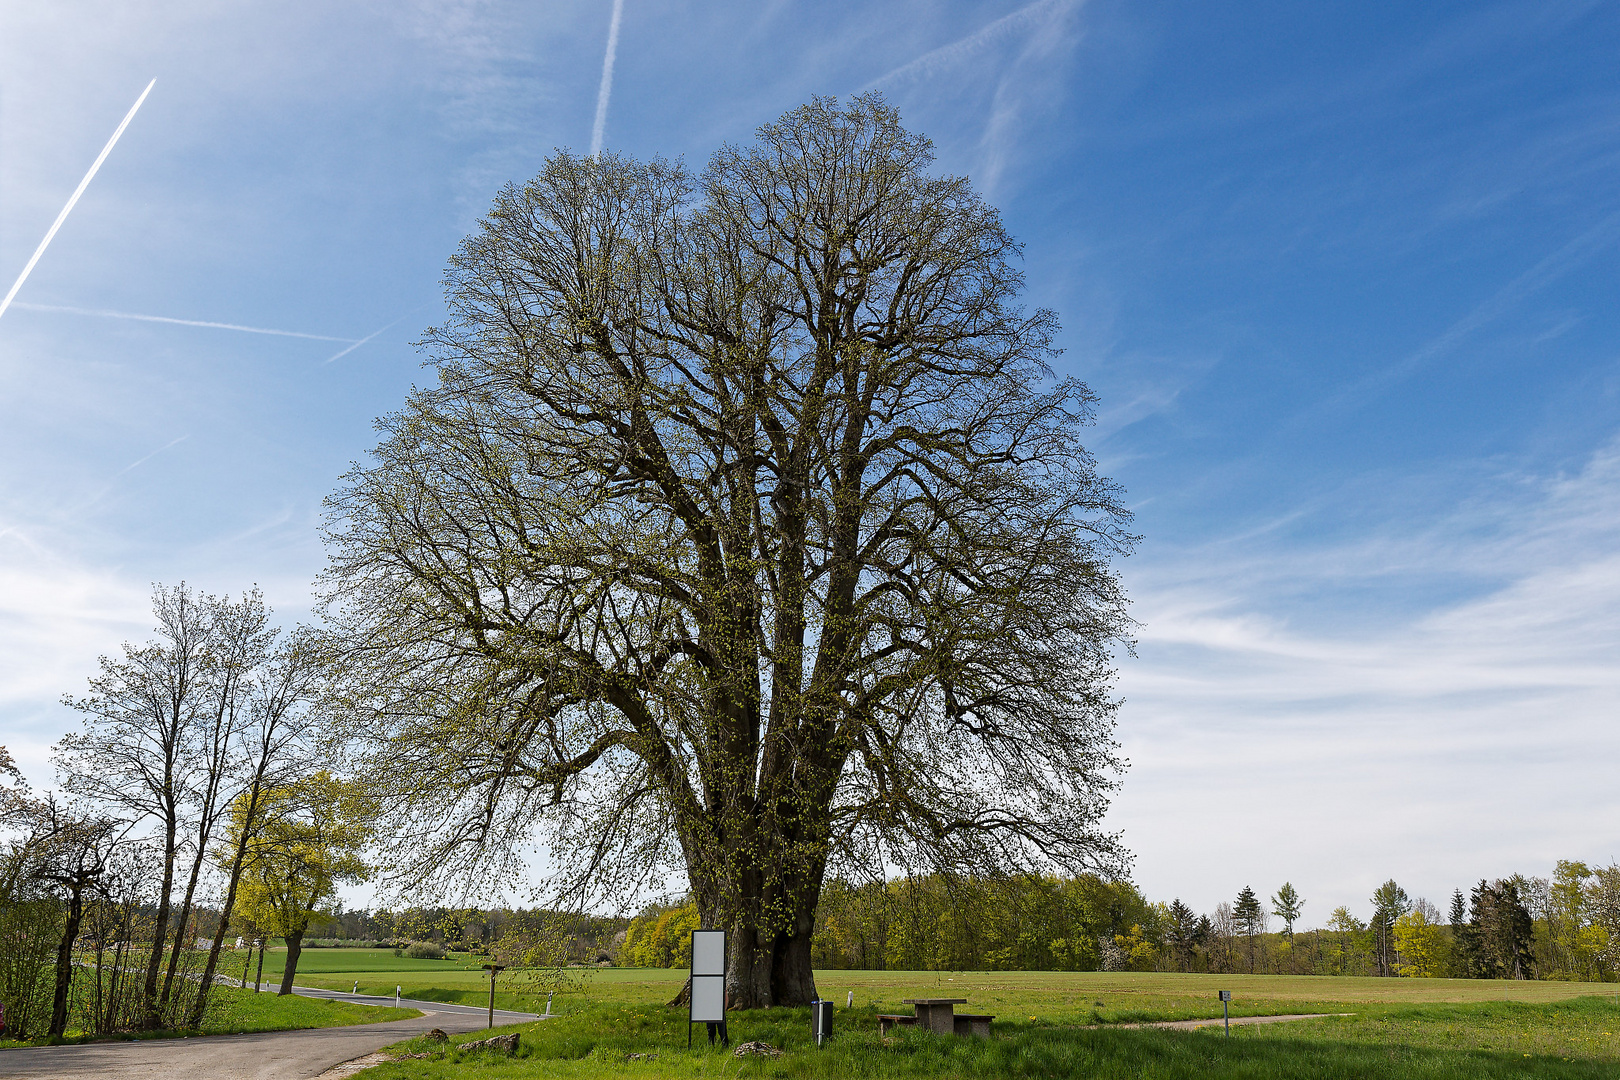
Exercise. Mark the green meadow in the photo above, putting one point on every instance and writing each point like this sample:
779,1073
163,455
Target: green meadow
1049,1024
232,1011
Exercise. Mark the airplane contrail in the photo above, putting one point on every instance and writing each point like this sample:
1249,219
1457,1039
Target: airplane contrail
180,322
606,89
57,224
368,337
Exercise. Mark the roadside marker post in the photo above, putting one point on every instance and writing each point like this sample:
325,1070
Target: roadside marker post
1226,1016
492,969
396,997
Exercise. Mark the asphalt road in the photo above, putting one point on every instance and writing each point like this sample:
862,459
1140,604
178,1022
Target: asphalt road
276,1055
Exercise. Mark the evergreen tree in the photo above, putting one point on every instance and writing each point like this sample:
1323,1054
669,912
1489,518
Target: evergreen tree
1464,940
1389,903
1250,916
1503,930
1182,933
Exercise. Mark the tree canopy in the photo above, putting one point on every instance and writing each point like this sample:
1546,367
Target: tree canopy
746,531
310,841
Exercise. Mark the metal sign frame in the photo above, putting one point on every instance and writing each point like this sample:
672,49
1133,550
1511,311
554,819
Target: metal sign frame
706,1000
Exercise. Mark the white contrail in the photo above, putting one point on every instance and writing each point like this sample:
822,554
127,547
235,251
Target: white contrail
368,337
606,89
57,224
149,457
929,63
179,322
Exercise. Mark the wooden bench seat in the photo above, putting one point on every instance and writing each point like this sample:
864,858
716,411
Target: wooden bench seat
969,1024
888,1020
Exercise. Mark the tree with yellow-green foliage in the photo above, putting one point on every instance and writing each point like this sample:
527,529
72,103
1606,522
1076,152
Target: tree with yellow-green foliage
311,841
1421,943
661,939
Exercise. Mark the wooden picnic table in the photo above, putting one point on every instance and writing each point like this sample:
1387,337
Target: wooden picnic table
939,1016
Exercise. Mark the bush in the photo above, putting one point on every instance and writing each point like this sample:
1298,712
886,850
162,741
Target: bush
424,950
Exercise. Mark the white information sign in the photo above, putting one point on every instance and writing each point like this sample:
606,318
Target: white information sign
708,952
708,999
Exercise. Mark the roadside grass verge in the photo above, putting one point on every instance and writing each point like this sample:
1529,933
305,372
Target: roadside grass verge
1571,1040
233,1012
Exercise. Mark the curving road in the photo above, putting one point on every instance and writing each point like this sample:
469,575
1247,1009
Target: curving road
276,1055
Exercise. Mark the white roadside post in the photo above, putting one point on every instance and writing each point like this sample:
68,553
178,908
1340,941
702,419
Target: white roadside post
396,995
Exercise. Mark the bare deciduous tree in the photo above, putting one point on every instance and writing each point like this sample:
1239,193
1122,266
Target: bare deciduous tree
747,531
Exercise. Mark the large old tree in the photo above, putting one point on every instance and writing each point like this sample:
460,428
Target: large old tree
746,531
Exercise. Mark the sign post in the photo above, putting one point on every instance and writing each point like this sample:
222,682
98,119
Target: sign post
493,968
1226,1016
707,1002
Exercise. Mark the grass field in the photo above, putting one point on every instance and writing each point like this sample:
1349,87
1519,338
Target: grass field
1049,1024
233,1011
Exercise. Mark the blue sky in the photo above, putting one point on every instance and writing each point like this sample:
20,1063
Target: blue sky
1344,276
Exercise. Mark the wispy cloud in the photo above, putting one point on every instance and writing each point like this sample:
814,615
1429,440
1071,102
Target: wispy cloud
100,314
605,90
1437,740
1009,27
73,199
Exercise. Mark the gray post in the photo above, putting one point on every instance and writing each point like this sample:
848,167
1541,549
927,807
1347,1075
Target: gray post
1226,1016
493,968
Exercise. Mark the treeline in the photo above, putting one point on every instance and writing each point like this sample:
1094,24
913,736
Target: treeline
1565,927
520,937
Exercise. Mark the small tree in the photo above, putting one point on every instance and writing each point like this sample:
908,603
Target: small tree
1349,931
1251,919
1464,940
1182,931
1420,942
1389,903
1287,905
311,841
72,850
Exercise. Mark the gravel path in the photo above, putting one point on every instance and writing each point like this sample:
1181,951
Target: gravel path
275,1055
1236,1021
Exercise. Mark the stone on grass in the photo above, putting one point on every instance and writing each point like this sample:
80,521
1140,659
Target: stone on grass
437,1035
762,1049
505,1044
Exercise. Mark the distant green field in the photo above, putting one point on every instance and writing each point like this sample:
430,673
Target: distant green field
1059,997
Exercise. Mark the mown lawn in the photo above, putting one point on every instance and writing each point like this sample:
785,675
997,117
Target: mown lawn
1568,1039
1059,997
1048,1024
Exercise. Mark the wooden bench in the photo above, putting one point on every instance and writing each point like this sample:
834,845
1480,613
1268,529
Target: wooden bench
887,1020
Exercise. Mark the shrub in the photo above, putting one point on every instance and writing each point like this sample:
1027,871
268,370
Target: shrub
424,950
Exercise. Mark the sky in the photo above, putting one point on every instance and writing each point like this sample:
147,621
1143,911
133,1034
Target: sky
1343,276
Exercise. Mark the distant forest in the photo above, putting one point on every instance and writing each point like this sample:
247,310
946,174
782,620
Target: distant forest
1518,927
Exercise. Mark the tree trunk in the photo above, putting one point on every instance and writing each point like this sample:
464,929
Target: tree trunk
160,933
183,937
64,964
219,936
258,978
295,942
